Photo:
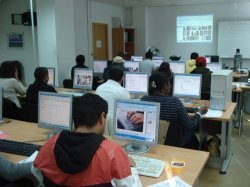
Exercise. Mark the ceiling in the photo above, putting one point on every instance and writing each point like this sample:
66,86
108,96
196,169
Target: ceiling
155,3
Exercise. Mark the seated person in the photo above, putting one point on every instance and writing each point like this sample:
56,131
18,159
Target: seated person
80,61
40,84
190,64
205,72
180,132
147,65
165,68
10,82
85,157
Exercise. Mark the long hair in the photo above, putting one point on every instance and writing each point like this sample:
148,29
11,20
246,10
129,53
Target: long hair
157,81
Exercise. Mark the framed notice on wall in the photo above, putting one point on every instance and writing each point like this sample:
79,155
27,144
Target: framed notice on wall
15,39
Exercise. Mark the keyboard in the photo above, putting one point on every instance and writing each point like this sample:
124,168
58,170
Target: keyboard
191,109
148,166
20,148
127,124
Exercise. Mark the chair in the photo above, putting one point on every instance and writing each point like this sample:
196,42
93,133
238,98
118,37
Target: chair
245,109
68,83
10,110
162,131
205,95
29,112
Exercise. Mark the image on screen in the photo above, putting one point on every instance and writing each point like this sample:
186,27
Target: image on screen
83,78
140,132
136,58
157,60
187,86
136,83
1,104
214,66
99,66
190,29
132,66
55,111
177,66
51,76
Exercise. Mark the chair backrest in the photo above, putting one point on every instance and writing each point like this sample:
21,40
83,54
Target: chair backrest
68,83
247,102
10,109
162,132
29,112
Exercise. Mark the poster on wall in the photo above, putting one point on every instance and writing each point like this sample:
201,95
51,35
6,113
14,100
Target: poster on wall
15,39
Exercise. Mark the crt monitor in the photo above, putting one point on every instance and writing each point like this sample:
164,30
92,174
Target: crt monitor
99,66
212,58
157,60
140,133
214,66
132,66
52,76
1,104
177,66
136,83
83,78
136,58
187,86
55,111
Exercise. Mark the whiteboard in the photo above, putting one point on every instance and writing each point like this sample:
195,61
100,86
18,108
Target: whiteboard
233,35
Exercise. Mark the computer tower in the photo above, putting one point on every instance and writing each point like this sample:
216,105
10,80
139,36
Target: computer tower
221,89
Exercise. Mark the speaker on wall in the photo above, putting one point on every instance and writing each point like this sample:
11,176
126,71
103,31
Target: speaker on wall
27,19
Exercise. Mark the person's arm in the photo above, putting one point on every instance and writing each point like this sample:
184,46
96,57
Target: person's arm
18,87
11,171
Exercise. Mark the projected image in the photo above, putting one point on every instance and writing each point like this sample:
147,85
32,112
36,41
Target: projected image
194,28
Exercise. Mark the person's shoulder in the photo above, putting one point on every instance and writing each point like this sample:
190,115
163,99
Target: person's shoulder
111,145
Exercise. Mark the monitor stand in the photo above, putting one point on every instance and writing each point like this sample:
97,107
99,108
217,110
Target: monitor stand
136,148
187,101
52,133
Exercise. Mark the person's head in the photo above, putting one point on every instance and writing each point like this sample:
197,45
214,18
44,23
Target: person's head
8,70
90,111
149,55
159,83
201,61
116,72
80,60
19,68
41,74
194,55
118,60
164,67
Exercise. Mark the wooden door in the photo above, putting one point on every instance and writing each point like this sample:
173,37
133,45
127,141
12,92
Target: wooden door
100,41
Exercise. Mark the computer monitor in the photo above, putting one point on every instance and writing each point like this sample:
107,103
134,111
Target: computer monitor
136,58
140,134
177,66
213,58
55,111
187,86
157,60
52,76
83,78
1,104
132,66
208,59
214,66
136,82
99,66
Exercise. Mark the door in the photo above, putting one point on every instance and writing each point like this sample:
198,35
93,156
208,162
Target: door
100,41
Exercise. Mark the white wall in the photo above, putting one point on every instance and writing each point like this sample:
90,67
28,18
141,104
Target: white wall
26,54
162,27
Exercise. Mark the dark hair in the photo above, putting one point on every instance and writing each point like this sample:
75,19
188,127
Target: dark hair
7,69
149,55
87,110
116,72
194,55
156,82
164,67
40,73
80,60
19,68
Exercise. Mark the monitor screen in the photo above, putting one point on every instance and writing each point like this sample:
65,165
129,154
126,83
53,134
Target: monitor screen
157,60
1,104
214,66
132,66
99,66
139,133
136,83
51,76
208,59
136,58
187,86
83,78
177,66
55,111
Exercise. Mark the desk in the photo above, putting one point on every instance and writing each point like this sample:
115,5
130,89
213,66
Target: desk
61,90
236,75
195,160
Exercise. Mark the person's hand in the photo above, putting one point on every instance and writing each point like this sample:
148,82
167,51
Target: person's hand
137,118
203,110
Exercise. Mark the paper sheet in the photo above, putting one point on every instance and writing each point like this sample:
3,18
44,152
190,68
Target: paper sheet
30,158
213,113
173,182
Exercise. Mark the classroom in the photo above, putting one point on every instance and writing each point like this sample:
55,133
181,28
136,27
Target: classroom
65,29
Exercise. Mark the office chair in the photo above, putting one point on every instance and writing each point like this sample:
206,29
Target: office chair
68,83
162,132
10,110
245,109
29,112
